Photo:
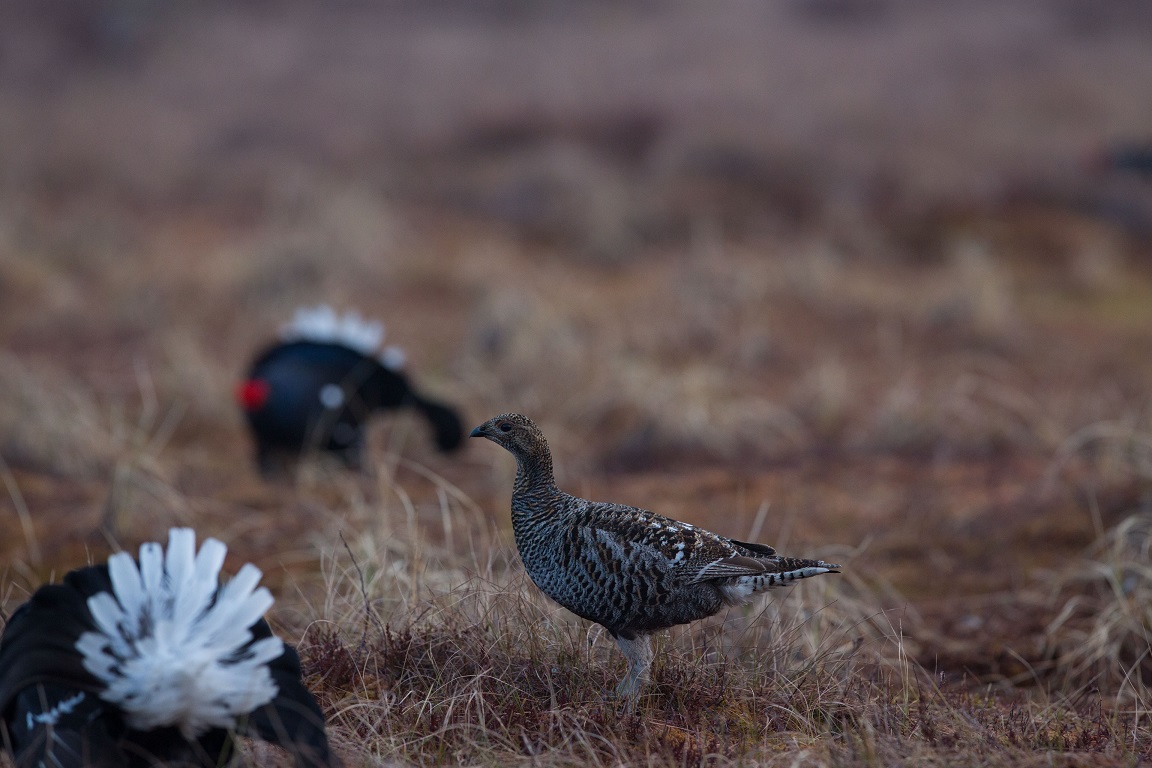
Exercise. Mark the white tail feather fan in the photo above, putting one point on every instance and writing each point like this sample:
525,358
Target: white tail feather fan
171,645
323,324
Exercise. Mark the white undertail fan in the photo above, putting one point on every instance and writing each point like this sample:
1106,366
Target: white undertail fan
175,648
323,324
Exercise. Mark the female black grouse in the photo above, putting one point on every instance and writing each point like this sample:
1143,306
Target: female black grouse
630,570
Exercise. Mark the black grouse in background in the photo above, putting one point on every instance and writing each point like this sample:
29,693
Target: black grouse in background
152,662
1132,157
317,388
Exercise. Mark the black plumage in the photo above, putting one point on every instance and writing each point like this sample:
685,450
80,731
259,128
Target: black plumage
630,570
56,711
1133,157
318,391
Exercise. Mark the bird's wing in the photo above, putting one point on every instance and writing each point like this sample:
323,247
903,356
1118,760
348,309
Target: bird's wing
728,568
293,719
760,550
39,642
697,554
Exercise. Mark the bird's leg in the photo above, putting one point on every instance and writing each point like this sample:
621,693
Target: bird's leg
353,455
638,651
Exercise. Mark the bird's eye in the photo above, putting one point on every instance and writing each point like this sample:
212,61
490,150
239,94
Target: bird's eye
505,426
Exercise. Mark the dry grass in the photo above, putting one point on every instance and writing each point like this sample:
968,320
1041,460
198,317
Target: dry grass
421,661
769,282
1102,637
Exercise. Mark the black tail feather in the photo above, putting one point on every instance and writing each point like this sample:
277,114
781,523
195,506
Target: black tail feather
292,720
447,428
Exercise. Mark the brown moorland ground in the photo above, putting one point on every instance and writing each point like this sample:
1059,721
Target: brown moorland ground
837,275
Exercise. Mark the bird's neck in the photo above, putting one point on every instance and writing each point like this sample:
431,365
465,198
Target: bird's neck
535,487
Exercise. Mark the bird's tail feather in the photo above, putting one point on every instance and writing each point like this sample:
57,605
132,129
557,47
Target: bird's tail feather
446,425
172,648
791,570
323,324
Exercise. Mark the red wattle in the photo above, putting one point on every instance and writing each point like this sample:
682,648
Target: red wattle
252,394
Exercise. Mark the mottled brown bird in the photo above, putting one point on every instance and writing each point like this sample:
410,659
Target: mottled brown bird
630,570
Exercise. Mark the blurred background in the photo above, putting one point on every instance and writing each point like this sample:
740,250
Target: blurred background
867,274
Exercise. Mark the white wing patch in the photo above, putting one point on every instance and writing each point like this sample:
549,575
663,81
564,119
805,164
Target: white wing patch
52,716
331,396
393,358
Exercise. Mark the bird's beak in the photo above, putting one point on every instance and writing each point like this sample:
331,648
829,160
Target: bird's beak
478,432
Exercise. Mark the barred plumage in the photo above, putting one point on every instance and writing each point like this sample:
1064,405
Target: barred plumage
628,569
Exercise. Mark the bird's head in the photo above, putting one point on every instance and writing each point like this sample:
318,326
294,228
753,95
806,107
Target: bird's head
515,433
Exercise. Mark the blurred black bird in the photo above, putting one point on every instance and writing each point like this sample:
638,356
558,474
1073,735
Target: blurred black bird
319,385
1133,157
138,663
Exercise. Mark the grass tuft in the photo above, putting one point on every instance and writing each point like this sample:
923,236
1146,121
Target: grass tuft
488,671
1102,637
